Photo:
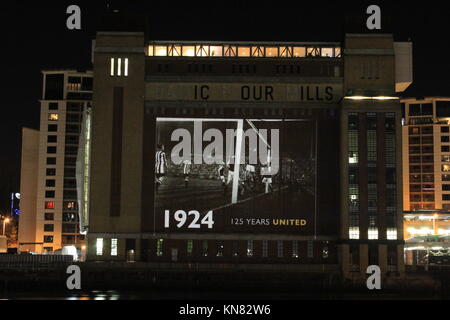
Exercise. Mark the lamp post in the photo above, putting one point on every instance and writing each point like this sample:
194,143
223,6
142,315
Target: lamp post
5,221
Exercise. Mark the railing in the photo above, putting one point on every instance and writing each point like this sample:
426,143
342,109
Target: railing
30,261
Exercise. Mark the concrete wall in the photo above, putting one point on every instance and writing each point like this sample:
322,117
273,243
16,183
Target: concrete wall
28,188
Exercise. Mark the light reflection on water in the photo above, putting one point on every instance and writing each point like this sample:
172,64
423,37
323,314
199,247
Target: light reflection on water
95,295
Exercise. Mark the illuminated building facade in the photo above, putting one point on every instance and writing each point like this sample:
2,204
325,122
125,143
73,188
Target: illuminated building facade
50,219
426,179
334,206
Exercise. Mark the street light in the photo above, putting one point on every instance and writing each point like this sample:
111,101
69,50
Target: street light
5,221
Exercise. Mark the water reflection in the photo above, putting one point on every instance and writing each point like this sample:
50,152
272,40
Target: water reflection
95,295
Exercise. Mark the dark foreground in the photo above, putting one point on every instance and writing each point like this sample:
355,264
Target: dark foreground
141,282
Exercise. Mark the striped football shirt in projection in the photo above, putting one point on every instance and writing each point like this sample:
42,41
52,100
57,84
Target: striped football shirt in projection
160,162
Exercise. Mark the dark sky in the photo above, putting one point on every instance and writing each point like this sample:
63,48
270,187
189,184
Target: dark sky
34,37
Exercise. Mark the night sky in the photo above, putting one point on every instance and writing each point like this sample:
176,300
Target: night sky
34,38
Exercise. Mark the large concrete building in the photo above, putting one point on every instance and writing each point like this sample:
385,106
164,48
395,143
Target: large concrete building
50,219
335,202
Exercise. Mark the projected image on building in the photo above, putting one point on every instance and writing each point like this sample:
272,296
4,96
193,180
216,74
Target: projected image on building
221,175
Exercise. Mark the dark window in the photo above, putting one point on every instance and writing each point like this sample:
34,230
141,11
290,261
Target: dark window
51,172
352,121
73,117
73,128
443,109
70,194
390,176
427,109
50,183
446,197
352,175
52,139
414,109
51,149
87,84
48,227
446,177
49,216
49,194
371,121
74,106
235,248
446,187
52,127
71,150
69,228
48,239
69,172
54,86
53,106
445,129
51,160
70,161
445,149
72,140
74,80
445,139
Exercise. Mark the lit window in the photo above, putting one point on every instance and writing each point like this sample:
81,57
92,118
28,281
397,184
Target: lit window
99,246
160,51
114,247
188,51
373,233
312,52
250,248
159,247
49,204
353,158
53,117
286,52
446,168
150,51
229,51
257,51
272,52
112,66
215,51
119,67
125,72
392,234
299,52
337,52
353,233
174,51
327,52
202,51
244,51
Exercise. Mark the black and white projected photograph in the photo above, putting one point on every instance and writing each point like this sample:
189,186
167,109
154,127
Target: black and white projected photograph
240,174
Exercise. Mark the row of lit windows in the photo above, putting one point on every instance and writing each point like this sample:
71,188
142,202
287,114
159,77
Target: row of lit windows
220,248
180,50
117,68
372,233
